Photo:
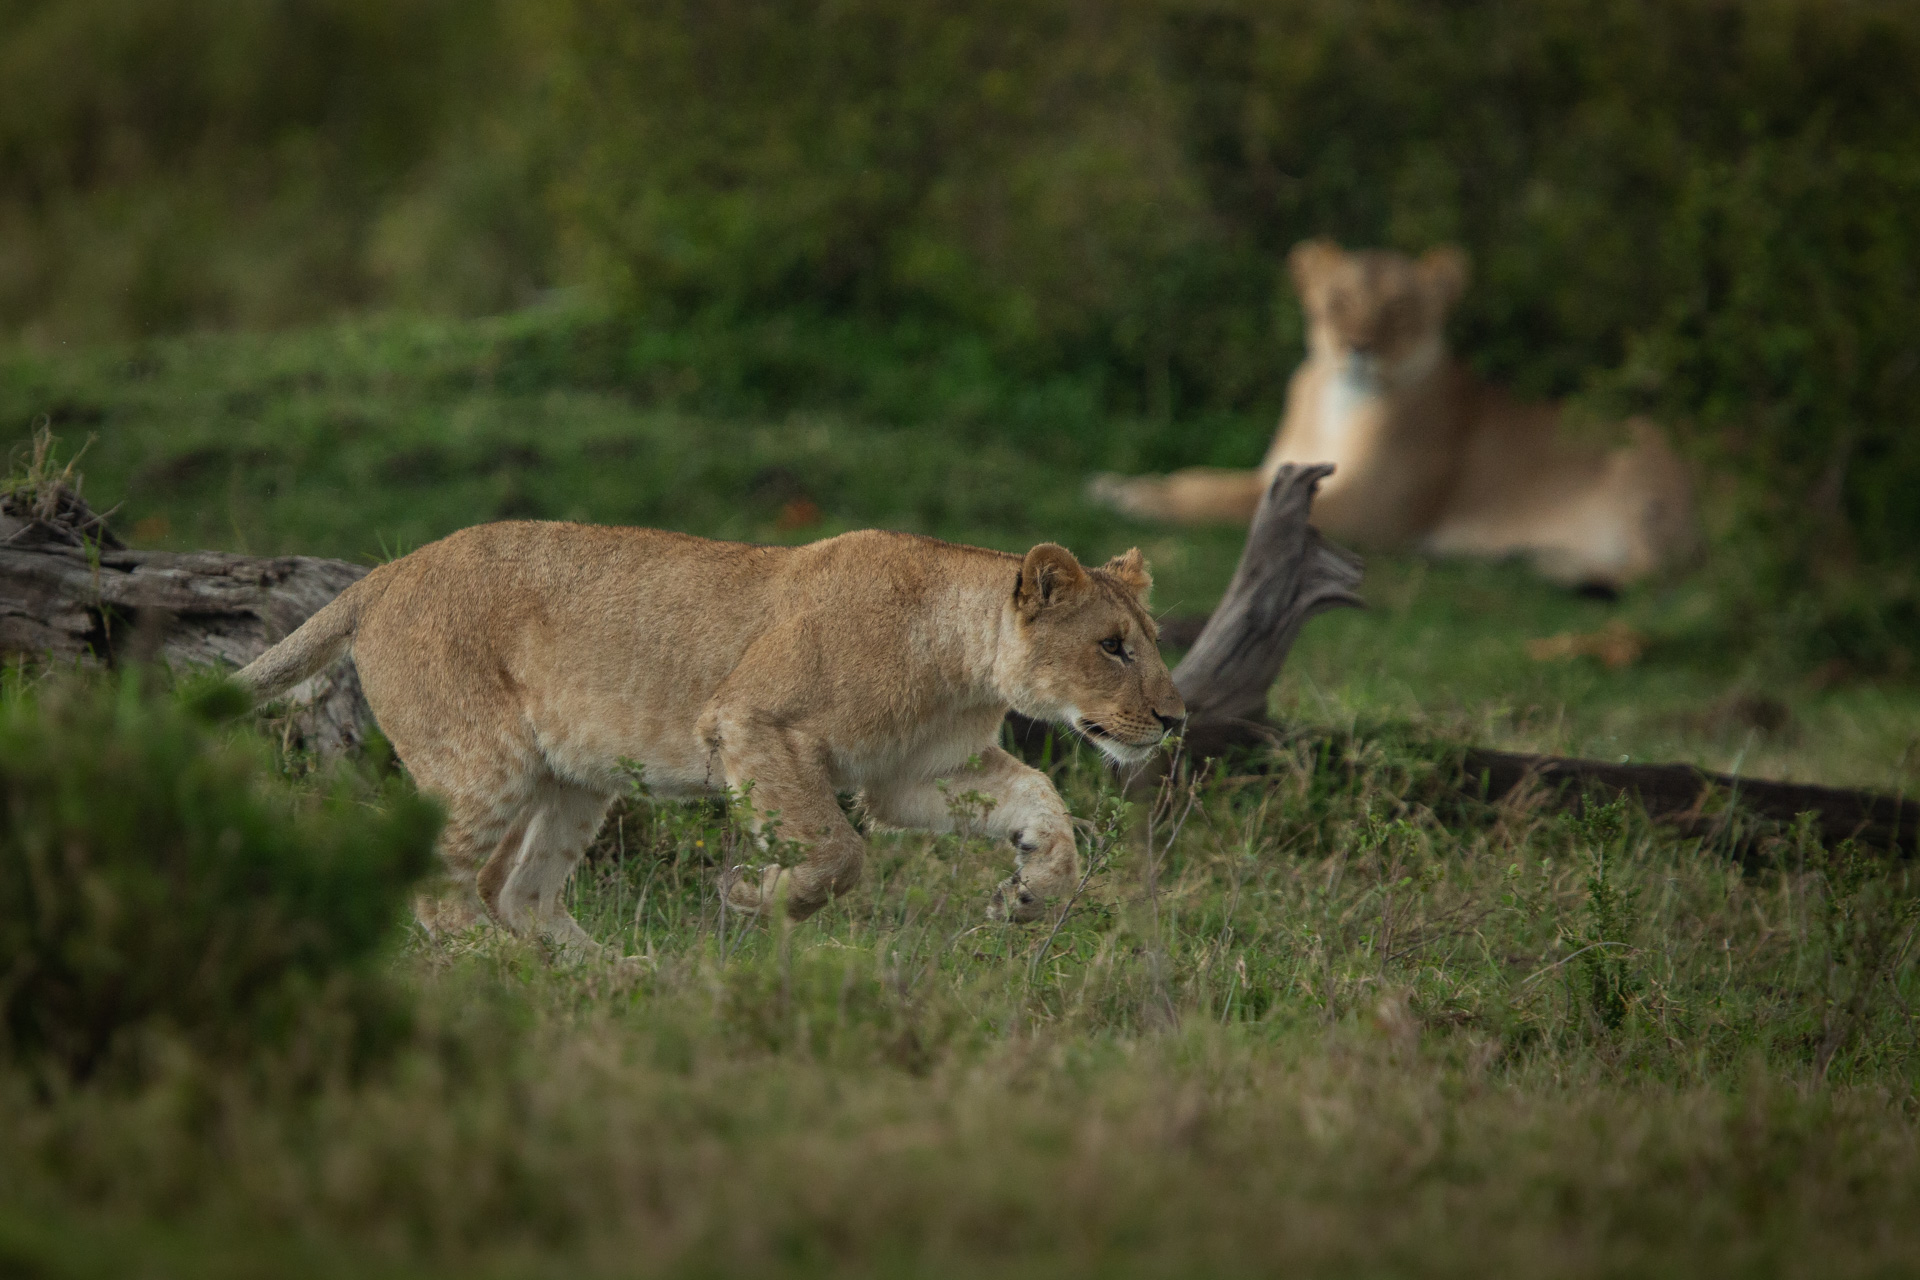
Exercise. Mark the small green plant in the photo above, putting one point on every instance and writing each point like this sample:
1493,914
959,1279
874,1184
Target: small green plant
1603,945
158,876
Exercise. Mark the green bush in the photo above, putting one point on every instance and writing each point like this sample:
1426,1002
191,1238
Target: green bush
156,877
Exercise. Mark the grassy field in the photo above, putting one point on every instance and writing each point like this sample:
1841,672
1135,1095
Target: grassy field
1319,1019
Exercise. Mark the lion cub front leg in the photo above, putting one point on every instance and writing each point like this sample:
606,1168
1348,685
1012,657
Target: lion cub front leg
791,797
1024,808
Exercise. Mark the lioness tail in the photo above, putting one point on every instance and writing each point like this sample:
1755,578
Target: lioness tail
314,645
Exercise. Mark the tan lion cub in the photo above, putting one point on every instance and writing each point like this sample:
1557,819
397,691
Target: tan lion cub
515,666
1428,456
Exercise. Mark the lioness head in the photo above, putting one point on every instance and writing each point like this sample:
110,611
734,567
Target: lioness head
1083,652
1378,315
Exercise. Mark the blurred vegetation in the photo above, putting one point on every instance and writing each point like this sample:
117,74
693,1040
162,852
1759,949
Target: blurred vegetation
1043,215
161,884
1326,1018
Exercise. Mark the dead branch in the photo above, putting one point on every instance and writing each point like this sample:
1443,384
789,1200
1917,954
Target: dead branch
1288,573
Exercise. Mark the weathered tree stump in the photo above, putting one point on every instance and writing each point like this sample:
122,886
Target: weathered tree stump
1288,573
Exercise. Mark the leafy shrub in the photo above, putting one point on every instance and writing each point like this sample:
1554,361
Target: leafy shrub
157,877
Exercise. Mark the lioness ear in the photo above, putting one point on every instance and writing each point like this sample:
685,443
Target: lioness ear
1310,260
1131,569
1446,270
1048,574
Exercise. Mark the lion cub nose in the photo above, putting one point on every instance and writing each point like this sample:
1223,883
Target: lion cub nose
1167,722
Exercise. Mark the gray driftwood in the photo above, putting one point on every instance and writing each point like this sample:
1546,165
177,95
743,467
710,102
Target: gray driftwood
1288,573
69,599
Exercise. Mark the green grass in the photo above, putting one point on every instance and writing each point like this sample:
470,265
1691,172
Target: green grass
1321,1019
1318,1030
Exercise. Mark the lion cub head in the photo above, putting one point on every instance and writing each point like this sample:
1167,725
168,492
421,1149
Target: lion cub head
1084,652
1379,316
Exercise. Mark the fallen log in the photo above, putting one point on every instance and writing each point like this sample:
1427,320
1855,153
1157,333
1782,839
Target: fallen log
71,594
1699,802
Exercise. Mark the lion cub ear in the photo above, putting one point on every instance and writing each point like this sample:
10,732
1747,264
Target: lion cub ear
1445,270
1048,575
1131,570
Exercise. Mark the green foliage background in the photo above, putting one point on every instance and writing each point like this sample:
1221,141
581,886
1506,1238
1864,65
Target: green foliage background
1035,214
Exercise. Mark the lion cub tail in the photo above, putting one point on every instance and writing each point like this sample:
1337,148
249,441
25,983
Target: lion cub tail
313,646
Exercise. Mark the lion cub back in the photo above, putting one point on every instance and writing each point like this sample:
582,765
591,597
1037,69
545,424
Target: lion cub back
571,641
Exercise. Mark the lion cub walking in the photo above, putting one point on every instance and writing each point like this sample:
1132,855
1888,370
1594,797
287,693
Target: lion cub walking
515,666
1428,456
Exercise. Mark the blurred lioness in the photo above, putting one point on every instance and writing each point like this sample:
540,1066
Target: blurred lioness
1428,456
521,669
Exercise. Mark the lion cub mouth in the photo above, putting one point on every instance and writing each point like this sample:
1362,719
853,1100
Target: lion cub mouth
1114,746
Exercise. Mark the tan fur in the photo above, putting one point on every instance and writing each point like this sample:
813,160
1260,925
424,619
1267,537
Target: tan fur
515,666
1428,456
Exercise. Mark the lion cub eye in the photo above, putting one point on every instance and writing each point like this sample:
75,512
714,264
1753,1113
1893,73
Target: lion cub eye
1114,645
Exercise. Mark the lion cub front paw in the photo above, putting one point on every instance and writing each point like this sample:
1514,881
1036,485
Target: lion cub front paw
1015,902
748,891
753,894
569,945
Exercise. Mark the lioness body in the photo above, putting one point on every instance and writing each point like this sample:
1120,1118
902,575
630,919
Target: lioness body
517,668
1427,456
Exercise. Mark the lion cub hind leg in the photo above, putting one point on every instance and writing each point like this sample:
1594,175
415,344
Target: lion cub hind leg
793,800
1023,807
481,830
522,883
